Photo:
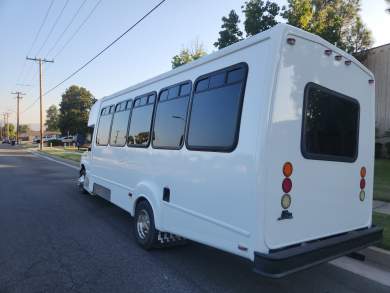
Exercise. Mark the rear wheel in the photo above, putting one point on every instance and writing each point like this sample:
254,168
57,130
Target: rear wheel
144,229
81,180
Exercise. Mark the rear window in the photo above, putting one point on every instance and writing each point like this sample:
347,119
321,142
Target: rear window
330,125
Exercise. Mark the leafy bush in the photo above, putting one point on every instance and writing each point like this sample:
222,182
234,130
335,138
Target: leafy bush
55,142
378,150
387,145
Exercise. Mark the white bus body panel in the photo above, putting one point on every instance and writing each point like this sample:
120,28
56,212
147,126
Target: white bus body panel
231,201
325,194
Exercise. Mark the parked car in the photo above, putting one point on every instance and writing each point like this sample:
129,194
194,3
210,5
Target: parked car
68,139
36,139
6,140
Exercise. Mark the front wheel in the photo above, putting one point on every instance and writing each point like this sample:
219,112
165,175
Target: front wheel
144,229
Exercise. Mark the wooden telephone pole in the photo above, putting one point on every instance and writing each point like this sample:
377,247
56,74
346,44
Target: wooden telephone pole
40,61
18,98
6,123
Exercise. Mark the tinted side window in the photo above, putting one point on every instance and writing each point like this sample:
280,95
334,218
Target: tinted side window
216,110
103,131
171,115
141,120
330,125
120,121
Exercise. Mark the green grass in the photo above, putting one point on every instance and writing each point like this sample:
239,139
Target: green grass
382,180
383,220
69,155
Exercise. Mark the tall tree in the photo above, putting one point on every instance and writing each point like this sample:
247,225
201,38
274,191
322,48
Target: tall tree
11,128
52,118
230,32
337,21
187,55
74,110
259,16
24,128
358,38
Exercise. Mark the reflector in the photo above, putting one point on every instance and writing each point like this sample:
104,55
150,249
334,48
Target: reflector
287,185
362,183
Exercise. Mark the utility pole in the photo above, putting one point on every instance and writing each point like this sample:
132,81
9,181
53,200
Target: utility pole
40,61
18,98
6,123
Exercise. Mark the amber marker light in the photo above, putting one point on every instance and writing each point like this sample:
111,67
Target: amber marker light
363,172
287,169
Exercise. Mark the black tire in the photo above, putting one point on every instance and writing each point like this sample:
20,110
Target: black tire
81,185
146,238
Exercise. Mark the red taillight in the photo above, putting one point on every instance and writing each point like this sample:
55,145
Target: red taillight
362,183
287,185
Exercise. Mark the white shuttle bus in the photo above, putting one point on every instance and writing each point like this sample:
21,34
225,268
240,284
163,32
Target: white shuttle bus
264,149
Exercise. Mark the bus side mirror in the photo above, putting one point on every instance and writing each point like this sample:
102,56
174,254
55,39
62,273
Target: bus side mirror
89,149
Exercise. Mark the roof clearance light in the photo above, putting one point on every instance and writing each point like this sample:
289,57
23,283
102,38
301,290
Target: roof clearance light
328,52
338,57
287,185
371,81
363,172
348,62
285,201
287,169
291,41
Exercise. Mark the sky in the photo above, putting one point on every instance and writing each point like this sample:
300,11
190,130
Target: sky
143,53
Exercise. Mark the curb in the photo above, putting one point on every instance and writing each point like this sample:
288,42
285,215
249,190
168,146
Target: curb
69,162
378,256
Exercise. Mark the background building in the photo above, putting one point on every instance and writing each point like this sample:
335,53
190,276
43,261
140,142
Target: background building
378,61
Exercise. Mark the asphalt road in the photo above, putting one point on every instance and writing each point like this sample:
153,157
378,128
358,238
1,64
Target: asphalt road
54,239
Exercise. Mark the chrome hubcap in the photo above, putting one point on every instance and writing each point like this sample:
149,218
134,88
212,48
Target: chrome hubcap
143,224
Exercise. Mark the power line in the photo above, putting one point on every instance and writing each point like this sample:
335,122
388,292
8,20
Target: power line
49,34
53,27
35,39
97,55
106,48
78,29
31,105
67,27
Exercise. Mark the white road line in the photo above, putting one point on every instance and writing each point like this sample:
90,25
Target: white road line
54,160
364,268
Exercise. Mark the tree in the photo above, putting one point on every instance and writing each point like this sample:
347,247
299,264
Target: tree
12,132
187,55
52,118
230,33
259,16
24,128
337,21
358,38
74,110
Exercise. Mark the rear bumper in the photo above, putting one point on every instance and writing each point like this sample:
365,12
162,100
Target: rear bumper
289,260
